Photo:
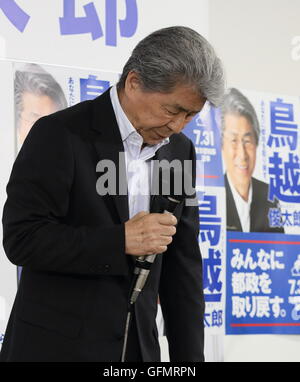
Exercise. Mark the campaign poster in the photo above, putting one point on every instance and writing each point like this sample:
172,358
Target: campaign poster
8,277
260,150
204,132
40,90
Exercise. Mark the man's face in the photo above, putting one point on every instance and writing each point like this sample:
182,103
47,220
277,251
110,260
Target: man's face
34,107
159,115
239,149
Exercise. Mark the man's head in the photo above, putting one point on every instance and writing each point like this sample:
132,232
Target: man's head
36,94
240,136
166,81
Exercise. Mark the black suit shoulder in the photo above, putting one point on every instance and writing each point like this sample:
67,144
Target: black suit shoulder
261,194
71,117
259,211
260,208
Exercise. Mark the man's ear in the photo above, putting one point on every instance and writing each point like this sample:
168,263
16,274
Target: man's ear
132,82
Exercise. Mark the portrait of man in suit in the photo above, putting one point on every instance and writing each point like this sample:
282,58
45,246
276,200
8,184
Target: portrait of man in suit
247,203
78,248
36,94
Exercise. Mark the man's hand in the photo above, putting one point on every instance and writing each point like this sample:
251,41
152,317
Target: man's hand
148,234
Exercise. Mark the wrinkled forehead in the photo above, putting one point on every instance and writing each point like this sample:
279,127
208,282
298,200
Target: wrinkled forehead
237,125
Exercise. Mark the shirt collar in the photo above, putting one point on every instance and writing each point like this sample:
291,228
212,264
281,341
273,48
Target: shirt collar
124,124
126,128
237,197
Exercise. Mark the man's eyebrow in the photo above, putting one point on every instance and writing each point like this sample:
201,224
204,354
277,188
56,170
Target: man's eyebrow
249,133
180,108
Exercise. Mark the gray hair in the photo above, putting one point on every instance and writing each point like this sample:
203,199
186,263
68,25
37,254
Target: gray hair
236,103
34,79
173,56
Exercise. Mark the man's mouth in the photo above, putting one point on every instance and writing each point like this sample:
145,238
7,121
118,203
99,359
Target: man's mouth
161,136
242,167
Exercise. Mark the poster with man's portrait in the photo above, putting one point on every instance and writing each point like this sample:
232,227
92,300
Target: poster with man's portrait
260,150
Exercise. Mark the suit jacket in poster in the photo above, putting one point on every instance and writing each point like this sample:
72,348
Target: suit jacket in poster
71,303
259,209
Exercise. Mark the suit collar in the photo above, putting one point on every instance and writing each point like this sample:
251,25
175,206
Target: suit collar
108,144
233,221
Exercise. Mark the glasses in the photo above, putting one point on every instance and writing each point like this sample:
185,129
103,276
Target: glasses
248,141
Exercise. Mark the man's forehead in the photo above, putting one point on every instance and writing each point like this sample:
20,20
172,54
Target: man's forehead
238,125
186,108
237,133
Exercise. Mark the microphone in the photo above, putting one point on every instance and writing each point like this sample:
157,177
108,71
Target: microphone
161,204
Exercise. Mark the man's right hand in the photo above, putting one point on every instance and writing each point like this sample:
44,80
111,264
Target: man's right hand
148,234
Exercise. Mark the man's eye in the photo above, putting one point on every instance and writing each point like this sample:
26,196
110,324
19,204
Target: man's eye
171,112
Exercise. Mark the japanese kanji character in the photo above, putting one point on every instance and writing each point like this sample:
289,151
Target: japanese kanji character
15,14
210,226
216,318
212,270
91,87
275,218
70,24
286,218
260,306
296,217
285,178
238,306
283,132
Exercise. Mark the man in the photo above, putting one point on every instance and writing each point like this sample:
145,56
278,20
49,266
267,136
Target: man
247,201
37,94
77,246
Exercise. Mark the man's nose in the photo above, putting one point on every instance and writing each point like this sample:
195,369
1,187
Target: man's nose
241,151
177,123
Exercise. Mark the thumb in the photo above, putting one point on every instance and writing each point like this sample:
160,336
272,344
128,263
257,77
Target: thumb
139,215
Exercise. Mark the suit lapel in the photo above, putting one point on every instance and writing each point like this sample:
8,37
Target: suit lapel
233,220
163,153
108,144
257,208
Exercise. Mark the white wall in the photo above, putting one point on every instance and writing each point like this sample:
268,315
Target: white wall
254,40
41,40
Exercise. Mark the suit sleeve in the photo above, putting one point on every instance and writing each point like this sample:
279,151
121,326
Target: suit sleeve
181,291
38,195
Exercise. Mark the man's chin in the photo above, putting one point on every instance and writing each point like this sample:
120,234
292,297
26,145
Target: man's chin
153,141
241,182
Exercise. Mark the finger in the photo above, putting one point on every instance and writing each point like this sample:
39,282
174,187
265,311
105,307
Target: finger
163,240
167,219
167,230
161,249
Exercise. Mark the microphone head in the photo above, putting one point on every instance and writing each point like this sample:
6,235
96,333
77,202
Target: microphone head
175,184
170,188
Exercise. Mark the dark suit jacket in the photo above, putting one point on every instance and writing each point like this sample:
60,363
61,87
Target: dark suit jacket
71,304
259,209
